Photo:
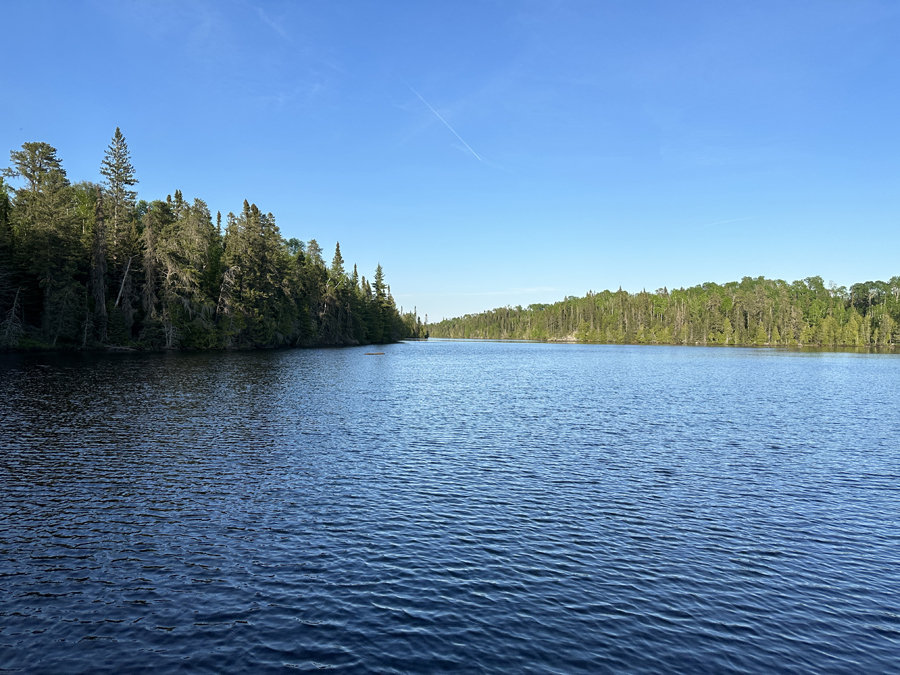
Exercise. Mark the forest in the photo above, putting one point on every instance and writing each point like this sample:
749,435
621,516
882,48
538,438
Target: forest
753,311
89,266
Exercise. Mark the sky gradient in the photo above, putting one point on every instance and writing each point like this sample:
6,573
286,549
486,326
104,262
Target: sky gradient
494,153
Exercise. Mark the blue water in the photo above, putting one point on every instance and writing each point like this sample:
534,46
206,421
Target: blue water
468,507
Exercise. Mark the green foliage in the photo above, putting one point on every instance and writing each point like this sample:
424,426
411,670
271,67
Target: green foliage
118,179
753,311
47,253
87,266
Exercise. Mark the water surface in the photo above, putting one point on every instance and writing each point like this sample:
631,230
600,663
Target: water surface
451,507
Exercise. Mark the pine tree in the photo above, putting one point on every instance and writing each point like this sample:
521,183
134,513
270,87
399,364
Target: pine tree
337,263
314,253
379,282
118,172
47,239
255,302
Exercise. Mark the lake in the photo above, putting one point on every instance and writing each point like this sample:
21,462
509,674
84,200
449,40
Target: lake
470,507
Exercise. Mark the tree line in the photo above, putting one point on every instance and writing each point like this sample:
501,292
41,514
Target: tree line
753,311
87,265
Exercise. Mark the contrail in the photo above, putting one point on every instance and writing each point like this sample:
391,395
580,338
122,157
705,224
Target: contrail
445,122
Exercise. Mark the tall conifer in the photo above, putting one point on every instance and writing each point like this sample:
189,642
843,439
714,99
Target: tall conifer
46,236
337,263
118,174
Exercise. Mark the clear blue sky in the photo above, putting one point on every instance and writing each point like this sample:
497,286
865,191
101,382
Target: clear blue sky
493,153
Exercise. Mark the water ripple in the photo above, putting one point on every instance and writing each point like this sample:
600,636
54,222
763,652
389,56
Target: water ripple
451,507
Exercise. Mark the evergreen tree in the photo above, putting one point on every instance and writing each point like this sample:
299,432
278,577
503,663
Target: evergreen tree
260,307
750,311
379,282
156,330
118,174
8,276
233,254
91,267
314,253
47,239
98,271
337,263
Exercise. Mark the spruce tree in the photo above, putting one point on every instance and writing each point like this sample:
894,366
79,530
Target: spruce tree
379,282
118,174
337,263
